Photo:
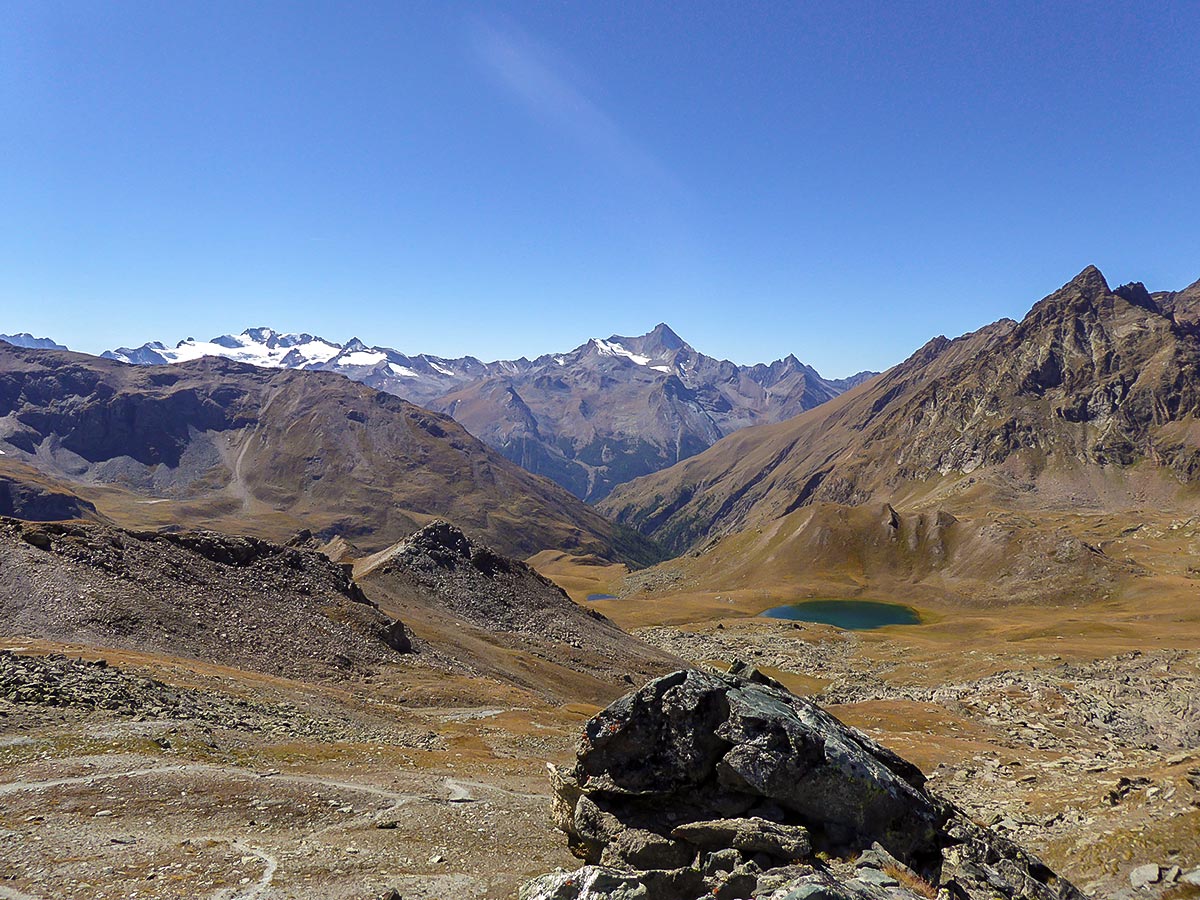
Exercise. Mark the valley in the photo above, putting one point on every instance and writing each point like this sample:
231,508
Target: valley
327,672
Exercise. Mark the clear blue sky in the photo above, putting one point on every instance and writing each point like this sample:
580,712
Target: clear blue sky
837,180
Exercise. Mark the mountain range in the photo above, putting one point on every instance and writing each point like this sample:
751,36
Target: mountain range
27,340
589,419
1091,402
220,444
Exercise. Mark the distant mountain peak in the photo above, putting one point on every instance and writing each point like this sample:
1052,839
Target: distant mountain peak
27,340
664,336
262,334
659,344
1090,282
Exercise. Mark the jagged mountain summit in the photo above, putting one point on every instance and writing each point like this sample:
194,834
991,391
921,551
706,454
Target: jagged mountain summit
608,411
25,339
616,408
1089,402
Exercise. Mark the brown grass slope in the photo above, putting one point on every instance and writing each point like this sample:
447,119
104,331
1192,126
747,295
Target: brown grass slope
1090,402
222,445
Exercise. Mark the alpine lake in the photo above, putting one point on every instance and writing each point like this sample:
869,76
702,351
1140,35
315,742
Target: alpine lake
852,615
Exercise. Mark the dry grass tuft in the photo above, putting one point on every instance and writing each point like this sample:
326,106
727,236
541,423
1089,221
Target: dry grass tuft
912,881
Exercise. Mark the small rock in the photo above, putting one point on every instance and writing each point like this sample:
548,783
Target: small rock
877,877
436,859
1144,876
750,835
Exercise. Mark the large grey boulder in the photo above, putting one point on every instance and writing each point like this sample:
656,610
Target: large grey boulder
723,786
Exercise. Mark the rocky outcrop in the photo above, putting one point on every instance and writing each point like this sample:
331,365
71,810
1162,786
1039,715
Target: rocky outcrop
728,786
457,591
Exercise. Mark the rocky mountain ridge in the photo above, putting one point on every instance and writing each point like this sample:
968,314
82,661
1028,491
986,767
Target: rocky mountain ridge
1090,400
238,601
499,617
609,410
27,340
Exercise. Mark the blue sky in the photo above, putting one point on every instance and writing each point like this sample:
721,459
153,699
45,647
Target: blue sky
841,181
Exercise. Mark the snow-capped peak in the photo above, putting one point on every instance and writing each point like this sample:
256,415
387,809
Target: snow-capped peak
256,346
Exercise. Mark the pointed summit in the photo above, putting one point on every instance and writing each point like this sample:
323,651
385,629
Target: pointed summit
659,343
663,337
1090,283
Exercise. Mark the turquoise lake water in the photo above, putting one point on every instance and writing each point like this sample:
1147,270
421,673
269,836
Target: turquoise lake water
853,615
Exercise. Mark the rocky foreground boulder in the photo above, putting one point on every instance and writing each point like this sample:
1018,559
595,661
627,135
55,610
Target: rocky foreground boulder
702,785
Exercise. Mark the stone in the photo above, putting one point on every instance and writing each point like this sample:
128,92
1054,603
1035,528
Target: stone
1144,876
588,883
877,877
751,835
730,743
875,857
720,861
708,785
38,539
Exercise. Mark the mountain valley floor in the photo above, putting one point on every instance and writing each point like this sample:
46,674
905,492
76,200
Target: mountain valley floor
1072,728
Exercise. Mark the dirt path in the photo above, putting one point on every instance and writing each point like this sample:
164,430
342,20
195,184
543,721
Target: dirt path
455,787
264,882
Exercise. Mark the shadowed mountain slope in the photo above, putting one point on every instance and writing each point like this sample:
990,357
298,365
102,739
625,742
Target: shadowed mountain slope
1090,401
218,444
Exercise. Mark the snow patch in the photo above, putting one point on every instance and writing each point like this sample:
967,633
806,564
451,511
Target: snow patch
258,347
666,369
612,348
363,358
438,368
402,371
